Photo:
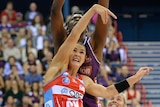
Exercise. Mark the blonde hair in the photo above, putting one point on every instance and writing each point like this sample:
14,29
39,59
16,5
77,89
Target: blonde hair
124,98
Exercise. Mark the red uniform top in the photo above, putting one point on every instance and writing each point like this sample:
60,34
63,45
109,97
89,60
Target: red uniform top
64,91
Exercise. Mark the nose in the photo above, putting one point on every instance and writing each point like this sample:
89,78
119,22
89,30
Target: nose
77,53
113,100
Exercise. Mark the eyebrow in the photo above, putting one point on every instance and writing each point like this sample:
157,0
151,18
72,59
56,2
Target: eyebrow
82,50
120,97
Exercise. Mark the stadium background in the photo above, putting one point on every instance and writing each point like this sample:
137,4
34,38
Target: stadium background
138,20
142,24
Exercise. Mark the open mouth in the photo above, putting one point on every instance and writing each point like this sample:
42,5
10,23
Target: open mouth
76,60
113,105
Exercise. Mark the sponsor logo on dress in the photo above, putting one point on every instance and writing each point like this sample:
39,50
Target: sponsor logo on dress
75,94
61,90
64,91
48,104
66,81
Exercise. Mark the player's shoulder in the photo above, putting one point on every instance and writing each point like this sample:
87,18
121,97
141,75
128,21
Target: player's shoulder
86,79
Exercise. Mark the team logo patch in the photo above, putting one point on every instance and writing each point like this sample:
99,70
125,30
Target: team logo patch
86,70
66,81
65,74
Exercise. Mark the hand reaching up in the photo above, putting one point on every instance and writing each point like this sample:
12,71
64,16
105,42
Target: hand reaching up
104,12
143,71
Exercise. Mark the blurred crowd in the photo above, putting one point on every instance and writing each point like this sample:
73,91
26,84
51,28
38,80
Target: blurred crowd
26,50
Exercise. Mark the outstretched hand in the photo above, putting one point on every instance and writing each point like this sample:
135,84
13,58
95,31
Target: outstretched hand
104,12
143,71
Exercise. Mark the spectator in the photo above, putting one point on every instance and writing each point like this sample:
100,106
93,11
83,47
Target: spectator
46,48
1,78
29,34
10,102
19,23
9,12
4,23
36,94
2,86
26,101
46,61
2,62
117,101
5,36
32,60
19,77
15,92
37,22
32,12
28,49
112,51
10,63
36,105
111,33
124,73
12,70
103,75
32,76
21,38
12,50
48,32
133,96
112,55
39,39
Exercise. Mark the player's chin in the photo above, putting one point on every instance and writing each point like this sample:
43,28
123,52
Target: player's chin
76,64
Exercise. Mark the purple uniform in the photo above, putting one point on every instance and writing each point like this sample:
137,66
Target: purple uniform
90,68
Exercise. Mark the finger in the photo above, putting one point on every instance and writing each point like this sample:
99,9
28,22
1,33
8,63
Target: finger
106,17
111,14
150,68
103,17
147,68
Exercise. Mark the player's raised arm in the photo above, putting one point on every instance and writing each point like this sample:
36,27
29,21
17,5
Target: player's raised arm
99,35
57,21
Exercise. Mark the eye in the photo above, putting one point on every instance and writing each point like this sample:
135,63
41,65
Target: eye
119,99
112,99
75,50
82,52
